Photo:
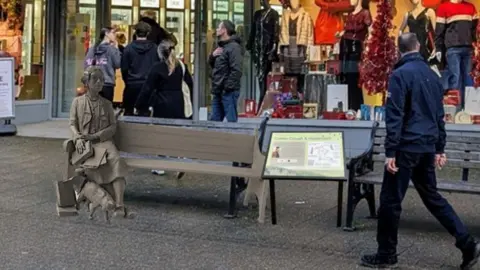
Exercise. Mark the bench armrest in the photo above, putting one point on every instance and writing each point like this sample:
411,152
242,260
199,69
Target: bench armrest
363,163
262,130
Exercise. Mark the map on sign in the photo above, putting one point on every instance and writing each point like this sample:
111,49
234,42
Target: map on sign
306,155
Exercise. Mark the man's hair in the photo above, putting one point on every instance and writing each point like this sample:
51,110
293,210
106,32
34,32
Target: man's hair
142,29
407,42
230,27
150,14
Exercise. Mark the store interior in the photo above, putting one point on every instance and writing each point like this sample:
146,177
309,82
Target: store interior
22,28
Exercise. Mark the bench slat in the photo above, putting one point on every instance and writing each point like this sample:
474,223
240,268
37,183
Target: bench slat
475,156
453,143
192,167
452,163
183,142
442,184
381,133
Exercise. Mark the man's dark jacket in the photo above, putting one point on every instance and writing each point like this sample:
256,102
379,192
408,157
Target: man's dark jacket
137,60
414,110
227,67
158,34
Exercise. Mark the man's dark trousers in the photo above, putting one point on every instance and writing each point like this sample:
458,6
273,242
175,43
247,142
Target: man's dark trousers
420,168
130,95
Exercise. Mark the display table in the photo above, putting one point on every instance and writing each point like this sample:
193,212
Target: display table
316,88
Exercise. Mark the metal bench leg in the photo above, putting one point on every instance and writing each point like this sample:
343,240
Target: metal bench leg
233,199
370,197
339,204
352,200
273,206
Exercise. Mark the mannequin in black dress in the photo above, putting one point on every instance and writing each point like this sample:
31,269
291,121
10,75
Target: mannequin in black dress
263,42
421,21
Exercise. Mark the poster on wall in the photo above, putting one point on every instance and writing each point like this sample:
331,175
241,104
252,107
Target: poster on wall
7,88
125,3
176,4
150,3
305,156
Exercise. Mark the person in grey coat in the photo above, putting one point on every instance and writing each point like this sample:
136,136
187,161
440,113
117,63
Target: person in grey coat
106,55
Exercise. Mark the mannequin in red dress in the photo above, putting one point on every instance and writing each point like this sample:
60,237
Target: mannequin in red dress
329,20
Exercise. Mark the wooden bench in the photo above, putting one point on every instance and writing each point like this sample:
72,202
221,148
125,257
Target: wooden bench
463,154
204,148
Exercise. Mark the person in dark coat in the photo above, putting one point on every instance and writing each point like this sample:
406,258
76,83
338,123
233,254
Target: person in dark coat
157,34
414,146
163,89
137,61
227,63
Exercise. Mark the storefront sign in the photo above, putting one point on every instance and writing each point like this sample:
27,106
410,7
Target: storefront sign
305,156
125,3
177,4
7,88
87,2
150,3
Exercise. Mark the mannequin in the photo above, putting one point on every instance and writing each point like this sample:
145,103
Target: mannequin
263,42
421,21
454,36
353,37
295,36
329,20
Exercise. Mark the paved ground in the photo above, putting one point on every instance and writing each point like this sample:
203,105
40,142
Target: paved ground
180,225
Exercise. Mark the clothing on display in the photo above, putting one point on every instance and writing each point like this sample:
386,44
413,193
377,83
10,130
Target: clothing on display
455,34
351,48
295,36
329,20
421,26
293,55
262,44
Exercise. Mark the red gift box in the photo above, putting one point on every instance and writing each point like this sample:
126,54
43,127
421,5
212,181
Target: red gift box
334,116
476,119
250,107
452,97
293,111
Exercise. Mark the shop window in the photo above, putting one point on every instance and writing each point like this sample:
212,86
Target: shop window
22,31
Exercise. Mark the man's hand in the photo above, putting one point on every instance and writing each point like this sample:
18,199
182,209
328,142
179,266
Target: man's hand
391,165
217,51
440,160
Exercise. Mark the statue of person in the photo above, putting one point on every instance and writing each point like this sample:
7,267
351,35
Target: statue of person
93,120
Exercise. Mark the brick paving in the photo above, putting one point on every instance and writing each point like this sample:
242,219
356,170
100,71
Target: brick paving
180,225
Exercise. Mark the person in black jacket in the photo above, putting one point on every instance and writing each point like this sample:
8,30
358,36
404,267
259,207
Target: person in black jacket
163,89
414,146
226,62
137,61
157,34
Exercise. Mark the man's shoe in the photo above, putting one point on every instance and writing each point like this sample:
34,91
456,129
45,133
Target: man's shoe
379,262
470,257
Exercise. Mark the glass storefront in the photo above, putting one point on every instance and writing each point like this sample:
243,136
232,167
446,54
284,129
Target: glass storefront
22,36
83,20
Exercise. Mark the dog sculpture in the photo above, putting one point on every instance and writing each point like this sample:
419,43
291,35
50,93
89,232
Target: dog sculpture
92,195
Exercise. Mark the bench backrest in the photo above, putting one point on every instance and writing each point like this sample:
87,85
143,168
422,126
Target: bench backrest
462,151
174,141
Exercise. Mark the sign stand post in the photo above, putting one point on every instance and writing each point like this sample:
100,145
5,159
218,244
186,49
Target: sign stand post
7,96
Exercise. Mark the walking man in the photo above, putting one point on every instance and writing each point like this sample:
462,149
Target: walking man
137,60
414,146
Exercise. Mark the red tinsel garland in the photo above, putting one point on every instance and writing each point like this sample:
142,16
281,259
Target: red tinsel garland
476,60
380,52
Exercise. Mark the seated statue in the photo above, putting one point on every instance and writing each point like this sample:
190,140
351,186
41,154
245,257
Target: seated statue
93,125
